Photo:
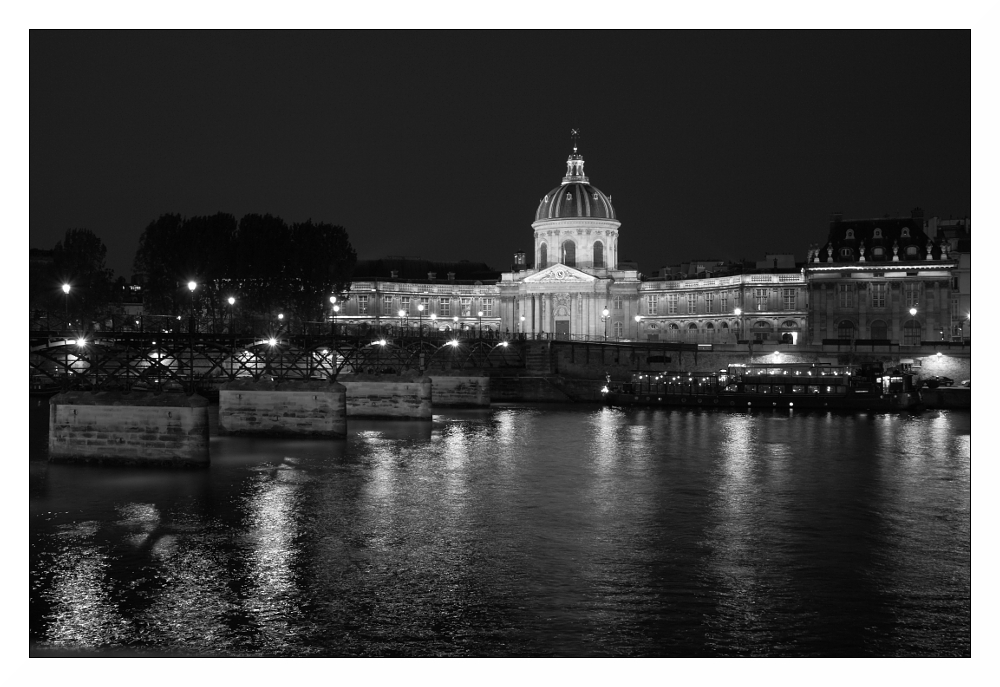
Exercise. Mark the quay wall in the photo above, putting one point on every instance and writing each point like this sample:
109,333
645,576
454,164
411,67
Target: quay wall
135,428
460,391
302,408
395,397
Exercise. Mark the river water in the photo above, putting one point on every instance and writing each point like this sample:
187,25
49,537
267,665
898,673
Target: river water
520,531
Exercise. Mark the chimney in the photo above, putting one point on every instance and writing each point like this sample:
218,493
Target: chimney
451,276
431,276
917,213
393,274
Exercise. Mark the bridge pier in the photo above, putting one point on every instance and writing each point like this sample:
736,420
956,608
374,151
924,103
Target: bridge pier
460,391
136,427
395,396
302,408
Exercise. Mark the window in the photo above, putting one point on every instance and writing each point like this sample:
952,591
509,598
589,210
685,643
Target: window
911,333
724,301
911,293
426,302
762,330
850,234
598,254
911,251
692,332
955,315
845,330
466,307
673,332
617,302
845,296
846,254
877,233
362,305
878,295
543,252
404,304
487,307
650,305
788,298
618,330
879,330
692,303
905,232
709,333
709,302
878,251
760,298
672,304
569,254
444,307
387,305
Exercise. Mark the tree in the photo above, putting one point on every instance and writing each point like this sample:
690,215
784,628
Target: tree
79,260
321,262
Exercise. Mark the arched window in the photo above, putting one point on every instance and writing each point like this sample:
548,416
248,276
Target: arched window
905,232
845,330
850,234
673,332
709,333
568,254
618,330
598,254
543,256
762,330
692,332
877,233
911,333
879,330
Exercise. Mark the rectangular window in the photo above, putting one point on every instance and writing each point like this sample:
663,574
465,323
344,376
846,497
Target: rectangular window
618,302
911,292
466,307
955,315
724,301
650,305
426,302
845,296
362,305
444,306
878,295
404,304
487,307
692,303
709,302
387,305
788,298
672,304
760,298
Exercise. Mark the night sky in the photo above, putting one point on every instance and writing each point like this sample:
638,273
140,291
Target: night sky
440,145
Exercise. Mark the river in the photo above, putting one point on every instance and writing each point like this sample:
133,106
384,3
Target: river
520,531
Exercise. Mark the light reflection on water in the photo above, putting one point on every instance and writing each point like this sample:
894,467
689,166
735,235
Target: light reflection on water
523,531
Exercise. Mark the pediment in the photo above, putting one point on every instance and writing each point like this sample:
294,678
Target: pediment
560,273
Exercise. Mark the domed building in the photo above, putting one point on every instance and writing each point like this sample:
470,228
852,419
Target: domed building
574,278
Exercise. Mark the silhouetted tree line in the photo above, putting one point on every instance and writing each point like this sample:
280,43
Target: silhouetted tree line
268,265
79,260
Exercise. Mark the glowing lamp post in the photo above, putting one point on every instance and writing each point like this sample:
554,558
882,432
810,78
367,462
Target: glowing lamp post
65,290
638,319
434,318
739,322
604,318
420,319
522,325
480,324
402,314
232,333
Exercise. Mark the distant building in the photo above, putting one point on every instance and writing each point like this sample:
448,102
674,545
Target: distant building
882,279
957,234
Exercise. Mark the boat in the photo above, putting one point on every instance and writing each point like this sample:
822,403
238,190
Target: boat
798,386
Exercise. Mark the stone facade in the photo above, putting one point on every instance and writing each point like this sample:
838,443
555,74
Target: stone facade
285,409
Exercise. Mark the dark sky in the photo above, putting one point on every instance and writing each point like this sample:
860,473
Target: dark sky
440,145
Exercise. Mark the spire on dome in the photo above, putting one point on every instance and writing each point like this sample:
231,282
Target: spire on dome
574,165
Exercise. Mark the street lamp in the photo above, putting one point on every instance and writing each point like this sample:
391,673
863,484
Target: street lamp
738,312
402,314
420,319
434,318
480,324
522,325
638,319
604,317
913,312
232,333
456,325
192,285
65,289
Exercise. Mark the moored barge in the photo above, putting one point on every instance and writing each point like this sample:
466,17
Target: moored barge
797,386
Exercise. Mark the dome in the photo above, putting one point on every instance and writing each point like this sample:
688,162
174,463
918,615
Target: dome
575,197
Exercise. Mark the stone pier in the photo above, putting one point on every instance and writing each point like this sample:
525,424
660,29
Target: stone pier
302,408
136,427
460,391
390,396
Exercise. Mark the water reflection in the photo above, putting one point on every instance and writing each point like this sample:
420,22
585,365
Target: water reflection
524,531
